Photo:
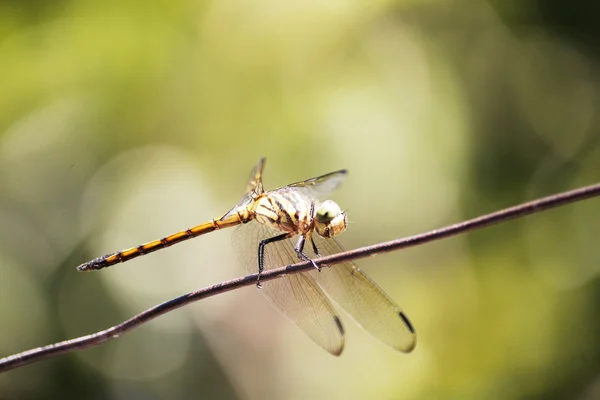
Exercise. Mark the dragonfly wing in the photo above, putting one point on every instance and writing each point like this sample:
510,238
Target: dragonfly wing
363,299
255,184
296,296
321,186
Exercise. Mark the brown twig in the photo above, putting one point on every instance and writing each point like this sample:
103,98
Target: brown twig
84,342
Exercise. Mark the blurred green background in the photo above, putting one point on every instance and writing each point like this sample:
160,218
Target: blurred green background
124,121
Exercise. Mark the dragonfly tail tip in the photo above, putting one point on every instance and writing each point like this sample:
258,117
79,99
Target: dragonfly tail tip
83,267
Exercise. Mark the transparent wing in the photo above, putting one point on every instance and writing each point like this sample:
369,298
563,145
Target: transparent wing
363,299
296,296
255,184
321,186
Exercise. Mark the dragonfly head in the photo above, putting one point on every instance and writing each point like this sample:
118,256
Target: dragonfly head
330,219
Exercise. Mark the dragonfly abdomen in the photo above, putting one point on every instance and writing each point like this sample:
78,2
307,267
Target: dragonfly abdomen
126,255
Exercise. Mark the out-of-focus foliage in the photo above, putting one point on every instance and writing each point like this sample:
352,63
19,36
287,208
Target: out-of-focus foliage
123,121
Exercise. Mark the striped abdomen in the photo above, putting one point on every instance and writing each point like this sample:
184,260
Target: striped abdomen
126,255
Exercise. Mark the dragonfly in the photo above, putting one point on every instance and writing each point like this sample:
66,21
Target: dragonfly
280,227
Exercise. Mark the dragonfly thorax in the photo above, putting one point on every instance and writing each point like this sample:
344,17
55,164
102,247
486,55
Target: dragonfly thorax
284,212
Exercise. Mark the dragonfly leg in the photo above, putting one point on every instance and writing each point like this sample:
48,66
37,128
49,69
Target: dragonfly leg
315,249
300,251
261,253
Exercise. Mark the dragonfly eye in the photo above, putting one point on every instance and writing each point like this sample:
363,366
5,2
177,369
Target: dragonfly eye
327,211
329,219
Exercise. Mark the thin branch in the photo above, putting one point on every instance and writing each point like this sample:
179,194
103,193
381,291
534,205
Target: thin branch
95,339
